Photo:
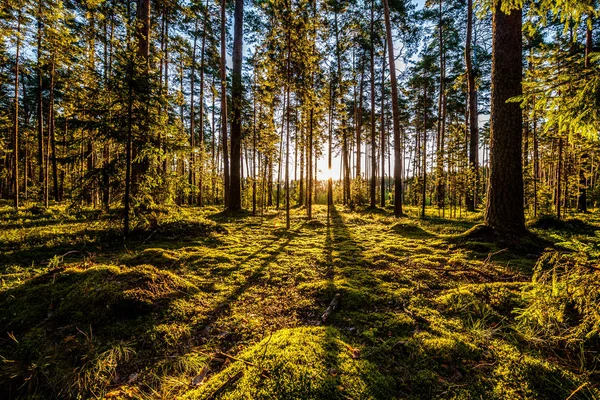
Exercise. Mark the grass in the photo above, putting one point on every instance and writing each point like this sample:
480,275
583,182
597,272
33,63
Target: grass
203,304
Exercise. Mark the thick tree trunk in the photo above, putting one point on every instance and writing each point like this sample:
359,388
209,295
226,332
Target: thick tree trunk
235,191
504,211
223,70
395,115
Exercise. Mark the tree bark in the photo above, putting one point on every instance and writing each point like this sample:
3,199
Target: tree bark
473,115
223,69
16,117
373,194
395,115
504,211
235,191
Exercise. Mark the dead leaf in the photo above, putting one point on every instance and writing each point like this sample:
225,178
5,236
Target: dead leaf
199,379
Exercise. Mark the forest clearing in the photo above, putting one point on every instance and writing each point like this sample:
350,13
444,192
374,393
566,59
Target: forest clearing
299,199
203,298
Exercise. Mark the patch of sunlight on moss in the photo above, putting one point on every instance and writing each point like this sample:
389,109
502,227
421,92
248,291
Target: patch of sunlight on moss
527,376
157,257
300,363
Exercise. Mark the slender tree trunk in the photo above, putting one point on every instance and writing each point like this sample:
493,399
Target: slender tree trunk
473,116
191,177
40,103
582,198
441,133
359,128
201,112
309,159
287,130
559,173
254,155
383,139
16,117
424,190
536,163
395,115
373,202
235,194
504,211
53,135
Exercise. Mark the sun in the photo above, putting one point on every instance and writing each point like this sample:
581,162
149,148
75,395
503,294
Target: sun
325,173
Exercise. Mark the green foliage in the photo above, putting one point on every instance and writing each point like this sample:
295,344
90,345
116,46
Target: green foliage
564,302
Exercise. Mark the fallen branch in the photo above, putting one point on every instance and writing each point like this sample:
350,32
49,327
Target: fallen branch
231,380
489,257
332,307
224,355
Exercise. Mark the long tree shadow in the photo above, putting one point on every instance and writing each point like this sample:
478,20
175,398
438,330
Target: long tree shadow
350,275
206,326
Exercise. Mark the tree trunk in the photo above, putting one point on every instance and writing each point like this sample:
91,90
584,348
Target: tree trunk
395,115
16,117
473,116
191,177
504,211
373,202
582,198
224,106
235,193
441,133
40,103
51,132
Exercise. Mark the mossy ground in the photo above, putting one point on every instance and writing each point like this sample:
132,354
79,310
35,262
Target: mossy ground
203,303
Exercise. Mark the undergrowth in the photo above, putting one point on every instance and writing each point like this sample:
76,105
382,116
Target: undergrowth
204,304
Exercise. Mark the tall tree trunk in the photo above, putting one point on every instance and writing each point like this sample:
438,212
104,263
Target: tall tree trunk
40,103
191,174
424,189
223,69
359,128
504,211
395,115
16,117
441,133
373,202
287,121
582,198
201,112
235,194
383,138
559,175
473,116
140,166
51,132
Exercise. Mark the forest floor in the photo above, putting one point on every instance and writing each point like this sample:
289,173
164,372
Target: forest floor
208,305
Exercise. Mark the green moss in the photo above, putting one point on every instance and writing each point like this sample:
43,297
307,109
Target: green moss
301,363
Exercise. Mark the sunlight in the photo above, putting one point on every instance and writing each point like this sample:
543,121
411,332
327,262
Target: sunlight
325,173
